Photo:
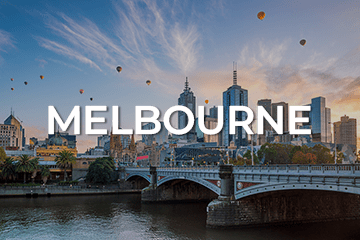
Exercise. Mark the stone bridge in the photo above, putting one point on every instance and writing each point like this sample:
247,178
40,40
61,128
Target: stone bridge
253,195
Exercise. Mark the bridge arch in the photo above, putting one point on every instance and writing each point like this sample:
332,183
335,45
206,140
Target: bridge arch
130,175
268,188
200,181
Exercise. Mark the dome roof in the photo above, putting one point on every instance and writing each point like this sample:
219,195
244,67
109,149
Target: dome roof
57,140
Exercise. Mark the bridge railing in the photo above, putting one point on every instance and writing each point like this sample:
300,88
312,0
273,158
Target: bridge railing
330,169
190,168
345,169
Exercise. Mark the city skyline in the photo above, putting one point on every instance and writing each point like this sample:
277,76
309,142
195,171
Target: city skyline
76,48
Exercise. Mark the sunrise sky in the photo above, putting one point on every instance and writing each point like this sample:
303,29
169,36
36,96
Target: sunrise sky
78,44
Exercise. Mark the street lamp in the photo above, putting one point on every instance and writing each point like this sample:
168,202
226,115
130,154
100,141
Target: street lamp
252,144
334,143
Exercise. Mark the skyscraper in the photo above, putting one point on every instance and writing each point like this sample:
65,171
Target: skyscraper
12,133
160,138
234,96
209,123
187,99
214,112
266,103
285,114
345,131
320,120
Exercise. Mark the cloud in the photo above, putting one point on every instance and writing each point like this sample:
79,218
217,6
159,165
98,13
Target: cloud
6,40
42,62
141,40
65,64
265,76
66,51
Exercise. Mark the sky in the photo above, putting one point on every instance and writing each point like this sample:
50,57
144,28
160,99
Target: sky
78,45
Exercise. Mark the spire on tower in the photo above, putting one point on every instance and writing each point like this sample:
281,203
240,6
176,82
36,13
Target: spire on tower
186,84
234,73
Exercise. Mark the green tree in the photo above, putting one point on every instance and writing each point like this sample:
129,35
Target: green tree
25,165
7,168
293,150
2,155
65,160
45,173
247,155
100,170
340,157
322,154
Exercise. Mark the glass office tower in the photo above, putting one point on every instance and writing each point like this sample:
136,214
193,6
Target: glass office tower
234,96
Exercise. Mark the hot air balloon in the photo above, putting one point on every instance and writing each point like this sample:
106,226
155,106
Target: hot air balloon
119,69
302,42
81,91
206,101
41,77
261,15
148,82
25,83
11,79
91,99
12,89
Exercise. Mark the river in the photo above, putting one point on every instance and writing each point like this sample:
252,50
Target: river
125,217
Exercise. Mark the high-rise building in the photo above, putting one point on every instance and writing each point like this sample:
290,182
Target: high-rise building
210,123
187,99
285,114
214,112
160,138
12,133
320,120
266,103
345,131
234,96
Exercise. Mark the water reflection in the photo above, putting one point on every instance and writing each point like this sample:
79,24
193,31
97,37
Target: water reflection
124,217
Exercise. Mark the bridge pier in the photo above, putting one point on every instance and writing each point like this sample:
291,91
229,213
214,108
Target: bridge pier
221,211
150,194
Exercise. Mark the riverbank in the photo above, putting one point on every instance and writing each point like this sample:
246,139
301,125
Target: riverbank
48,191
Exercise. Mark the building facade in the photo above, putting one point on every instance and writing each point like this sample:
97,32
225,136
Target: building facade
12,134
285,114
210,123
161,137
266,103
320,120
345,131
187,99
71,139
234,96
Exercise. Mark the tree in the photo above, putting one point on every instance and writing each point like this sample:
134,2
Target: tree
340,157
100,170
7,168
25,165
2,155
302,158
323,154
247,155
299,158
64,161
294,150
45,173
35,167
